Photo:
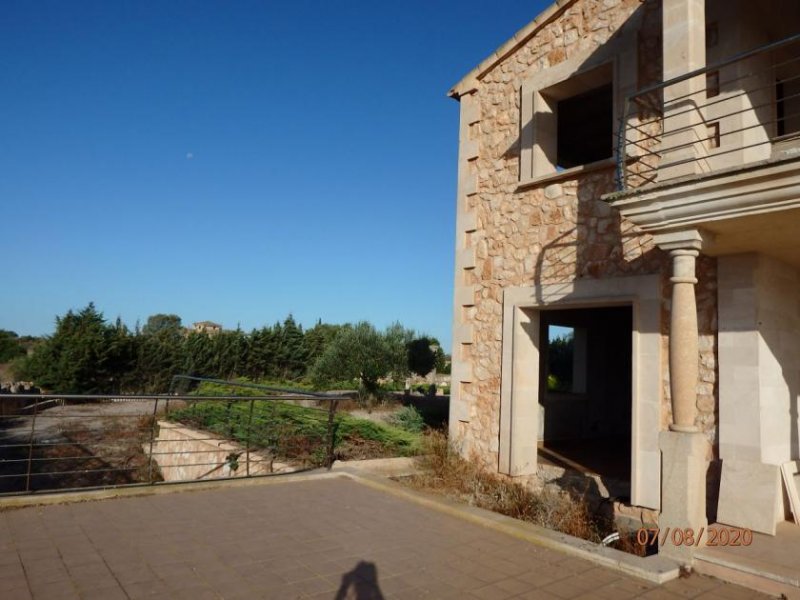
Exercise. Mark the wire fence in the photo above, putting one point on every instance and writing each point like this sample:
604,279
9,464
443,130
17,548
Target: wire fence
68,441
734,112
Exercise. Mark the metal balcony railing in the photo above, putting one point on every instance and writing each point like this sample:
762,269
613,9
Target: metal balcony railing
66,442
736,112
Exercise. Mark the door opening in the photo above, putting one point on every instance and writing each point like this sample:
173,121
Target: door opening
585,390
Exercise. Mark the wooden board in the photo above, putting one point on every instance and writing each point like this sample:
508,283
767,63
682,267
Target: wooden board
791,481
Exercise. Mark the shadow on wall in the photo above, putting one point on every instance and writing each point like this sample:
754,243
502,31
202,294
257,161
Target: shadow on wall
601,246
581,236
361,583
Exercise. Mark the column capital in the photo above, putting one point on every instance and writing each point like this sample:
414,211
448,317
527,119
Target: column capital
684,242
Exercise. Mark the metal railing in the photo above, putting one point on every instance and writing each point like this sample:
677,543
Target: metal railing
741,108
66,441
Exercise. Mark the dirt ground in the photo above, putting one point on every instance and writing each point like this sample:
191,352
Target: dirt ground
76,445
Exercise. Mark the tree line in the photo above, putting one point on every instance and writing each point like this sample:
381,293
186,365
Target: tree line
89,355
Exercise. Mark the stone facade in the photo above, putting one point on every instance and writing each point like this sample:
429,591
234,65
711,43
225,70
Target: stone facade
552,230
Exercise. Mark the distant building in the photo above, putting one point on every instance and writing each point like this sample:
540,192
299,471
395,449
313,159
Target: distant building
208,327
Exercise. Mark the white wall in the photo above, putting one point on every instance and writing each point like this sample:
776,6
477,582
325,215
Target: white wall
759,358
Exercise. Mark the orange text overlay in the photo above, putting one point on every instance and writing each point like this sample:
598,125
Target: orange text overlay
686,536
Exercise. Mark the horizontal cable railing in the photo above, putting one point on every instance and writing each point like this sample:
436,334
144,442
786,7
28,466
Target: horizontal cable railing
735,112
71,441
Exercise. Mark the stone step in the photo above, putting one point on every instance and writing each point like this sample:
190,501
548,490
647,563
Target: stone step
766,577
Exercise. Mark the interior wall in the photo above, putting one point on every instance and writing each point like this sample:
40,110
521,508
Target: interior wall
604,409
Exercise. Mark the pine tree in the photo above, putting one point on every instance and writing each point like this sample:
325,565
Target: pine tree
79,358
292,352
161,353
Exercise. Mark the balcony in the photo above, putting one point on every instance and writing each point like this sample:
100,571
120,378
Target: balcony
718,149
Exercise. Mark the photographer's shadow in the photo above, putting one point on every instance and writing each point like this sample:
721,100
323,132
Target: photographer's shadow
360,584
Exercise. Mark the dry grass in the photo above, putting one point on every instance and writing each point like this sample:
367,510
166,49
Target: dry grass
445,472
113,455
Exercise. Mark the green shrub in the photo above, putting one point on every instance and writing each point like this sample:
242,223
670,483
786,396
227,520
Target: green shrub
295,432
408,419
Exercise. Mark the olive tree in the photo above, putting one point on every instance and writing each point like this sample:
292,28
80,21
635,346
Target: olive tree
361,352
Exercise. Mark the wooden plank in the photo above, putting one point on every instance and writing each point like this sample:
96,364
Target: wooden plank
790,480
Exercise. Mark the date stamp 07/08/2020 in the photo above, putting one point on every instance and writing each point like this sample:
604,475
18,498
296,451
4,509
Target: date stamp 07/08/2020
713,536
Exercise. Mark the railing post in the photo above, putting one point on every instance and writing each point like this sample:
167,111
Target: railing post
152,439
274,438
230,421
30,447
331,432
622,147
249,435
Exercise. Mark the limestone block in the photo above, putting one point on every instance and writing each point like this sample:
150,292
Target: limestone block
553,191
461,372
684,463
469,149
469,184
750,495
463,333
465,259
470,111
465,295
469,221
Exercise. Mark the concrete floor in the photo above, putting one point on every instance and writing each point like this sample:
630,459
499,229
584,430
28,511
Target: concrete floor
607,457
324,538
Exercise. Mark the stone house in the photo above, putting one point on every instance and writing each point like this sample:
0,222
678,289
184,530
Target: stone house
207,327
629,172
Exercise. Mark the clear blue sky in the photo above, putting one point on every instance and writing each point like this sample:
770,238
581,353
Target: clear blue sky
234,161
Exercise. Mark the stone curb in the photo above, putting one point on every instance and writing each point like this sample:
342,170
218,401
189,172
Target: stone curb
146,489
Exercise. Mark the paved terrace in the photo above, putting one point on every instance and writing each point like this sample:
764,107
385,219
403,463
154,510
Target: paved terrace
325,538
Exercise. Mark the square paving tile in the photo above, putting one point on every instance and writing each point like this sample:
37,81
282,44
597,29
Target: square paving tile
291,540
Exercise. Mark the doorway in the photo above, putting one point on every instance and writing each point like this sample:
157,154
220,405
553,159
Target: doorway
585,403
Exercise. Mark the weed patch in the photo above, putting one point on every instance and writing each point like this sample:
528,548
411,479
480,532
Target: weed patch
447,473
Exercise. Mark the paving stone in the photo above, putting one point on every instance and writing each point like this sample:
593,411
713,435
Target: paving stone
292,540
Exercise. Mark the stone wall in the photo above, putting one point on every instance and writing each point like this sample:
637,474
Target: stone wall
186,454
554,231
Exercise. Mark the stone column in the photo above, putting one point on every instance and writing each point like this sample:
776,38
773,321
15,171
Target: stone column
684,247
683,340
684,141
685,451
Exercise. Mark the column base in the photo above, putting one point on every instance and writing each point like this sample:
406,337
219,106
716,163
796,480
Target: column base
684,428
684,463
